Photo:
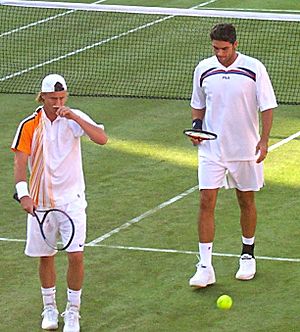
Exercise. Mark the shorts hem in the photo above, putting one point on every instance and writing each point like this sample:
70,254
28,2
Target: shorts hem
33,255
209,187
247,189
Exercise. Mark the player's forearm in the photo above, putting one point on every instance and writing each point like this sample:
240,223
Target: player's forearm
20,173
198,113
20,166
266,121
95,133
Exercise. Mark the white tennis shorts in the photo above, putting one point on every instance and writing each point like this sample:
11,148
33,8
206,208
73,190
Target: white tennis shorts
35,244
242,175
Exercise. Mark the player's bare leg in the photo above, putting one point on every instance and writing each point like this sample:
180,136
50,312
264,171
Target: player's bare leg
206,223
248,217
75,272
47,272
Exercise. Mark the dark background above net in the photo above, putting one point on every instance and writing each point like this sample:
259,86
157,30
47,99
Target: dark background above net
133,55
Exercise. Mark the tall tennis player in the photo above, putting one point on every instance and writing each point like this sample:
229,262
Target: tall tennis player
231,92
49,141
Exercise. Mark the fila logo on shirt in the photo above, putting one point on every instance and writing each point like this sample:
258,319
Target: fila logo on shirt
226,74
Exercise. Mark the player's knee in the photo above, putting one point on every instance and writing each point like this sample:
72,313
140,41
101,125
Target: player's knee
75,257
207,204
47,260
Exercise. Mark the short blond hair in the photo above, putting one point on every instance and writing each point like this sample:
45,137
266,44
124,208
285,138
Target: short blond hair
39,98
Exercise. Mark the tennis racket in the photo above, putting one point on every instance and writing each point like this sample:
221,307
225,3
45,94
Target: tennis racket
50,222
200,134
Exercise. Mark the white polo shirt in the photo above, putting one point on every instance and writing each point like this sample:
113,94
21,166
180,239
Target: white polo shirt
232,97
55,163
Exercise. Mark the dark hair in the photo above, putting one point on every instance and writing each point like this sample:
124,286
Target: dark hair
58,87
224,32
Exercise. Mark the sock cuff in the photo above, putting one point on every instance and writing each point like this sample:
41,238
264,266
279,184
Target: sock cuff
48,291
248,241
205,246
74,292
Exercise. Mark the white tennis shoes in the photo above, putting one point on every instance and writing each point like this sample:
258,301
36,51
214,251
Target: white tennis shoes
71,318
50,319
247,268
205,275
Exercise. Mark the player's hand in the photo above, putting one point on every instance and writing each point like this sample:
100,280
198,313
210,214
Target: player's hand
262,150
65,112
27,204
196,141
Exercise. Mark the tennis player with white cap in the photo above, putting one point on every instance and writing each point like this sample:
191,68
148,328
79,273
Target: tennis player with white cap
49,83
49,140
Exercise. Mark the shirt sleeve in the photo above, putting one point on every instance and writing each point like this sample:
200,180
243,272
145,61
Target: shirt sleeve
77,130
198,100
23,138
264,90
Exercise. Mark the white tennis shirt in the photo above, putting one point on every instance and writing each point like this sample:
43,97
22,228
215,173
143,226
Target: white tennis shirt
55,162
232,97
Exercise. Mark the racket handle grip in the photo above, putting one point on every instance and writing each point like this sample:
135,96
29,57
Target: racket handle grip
197,124
15,196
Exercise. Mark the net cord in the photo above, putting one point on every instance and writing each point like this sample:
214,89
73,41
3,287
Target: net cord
154,10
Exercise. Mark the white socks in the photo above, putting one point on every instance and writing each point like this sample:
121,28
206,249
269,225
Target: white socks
205,251
248,241
48,295
74,298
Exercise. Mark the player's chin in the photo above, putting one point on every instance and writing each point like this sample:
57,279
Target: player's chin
223,61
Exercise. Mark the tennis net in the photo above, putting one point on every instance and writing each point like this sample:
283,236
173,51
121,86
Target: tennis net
129,51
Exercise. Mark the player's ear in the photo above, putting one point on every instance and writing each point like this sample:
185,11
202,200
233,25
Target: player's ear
235,44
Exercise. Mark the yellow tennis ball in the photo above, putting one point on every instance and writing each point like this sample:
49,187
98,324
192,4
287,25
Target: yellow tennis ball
224,302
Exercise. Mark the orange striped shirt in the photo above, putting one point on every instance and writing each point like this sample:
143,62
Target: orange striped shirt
55,165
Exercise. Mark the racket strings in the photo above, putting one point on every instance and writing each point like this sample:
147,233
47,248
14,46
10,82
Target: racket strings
200,134
57,229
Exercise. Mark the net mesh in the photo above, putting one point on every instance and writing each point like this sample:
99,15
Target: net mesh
125,54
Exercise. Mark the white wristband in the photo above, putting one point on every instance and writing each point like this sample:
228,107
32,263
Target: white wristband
22,189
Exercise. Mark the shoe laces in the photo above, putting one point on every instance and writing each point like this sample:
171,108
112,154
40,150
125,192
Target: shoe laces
50,311
71,316
198,264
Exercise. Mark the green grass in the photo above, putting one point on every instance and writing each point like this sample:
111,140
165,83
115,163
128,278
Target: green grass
146,162
132,290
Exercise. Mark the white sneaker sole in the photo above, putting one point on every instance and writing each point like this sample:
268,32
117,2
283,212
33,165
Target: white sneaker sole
202,286
50,327
243,277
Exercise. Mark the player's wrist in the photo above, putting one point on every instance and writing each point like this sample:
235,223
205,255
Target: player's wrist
76,118
22,189
197,124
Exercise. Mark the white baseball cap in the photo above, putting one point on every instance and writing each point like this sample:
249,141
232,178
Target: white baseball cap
50,81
